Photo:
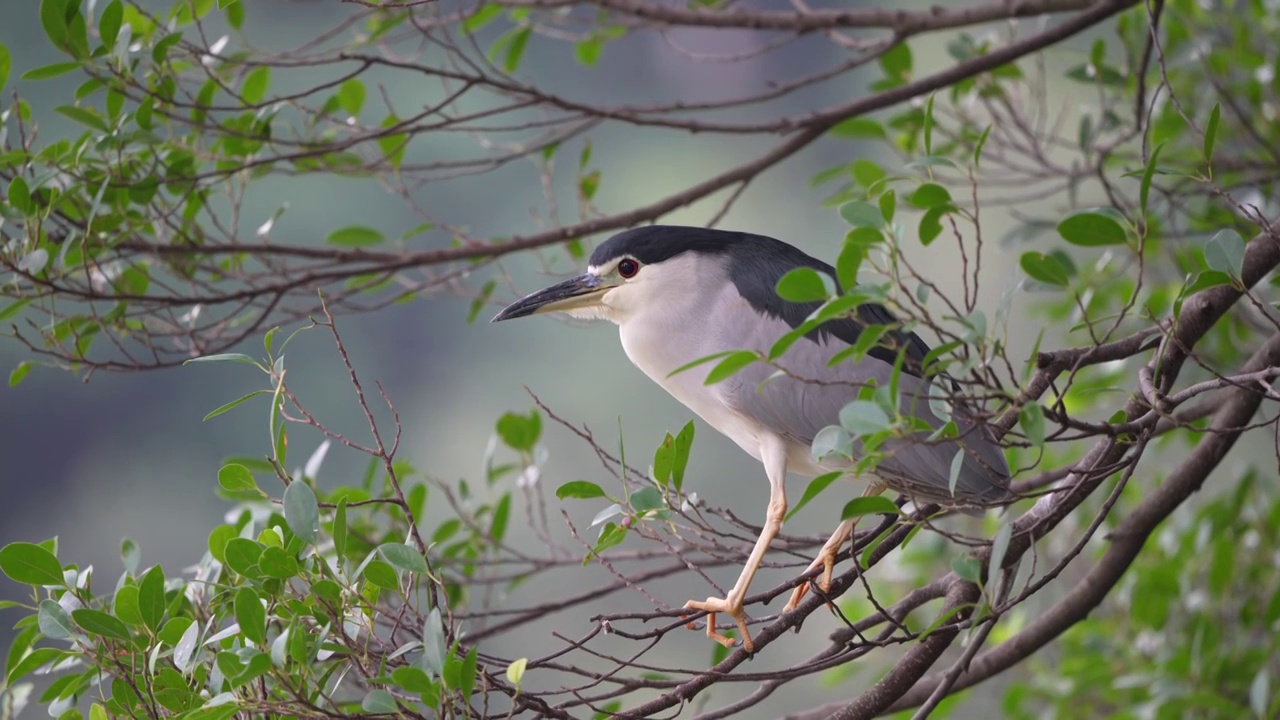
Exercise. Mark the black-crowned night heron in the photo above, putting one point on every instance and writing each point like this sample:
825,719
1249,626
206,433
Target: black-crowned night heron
678,294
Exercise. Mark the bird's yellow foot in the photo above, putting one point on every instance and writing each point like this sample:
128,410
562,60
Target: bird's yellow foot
712,606
827,559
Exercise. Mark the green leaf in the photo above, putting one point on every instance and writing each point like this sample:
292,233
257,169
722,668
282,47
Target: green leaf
501,513
868,337
515,49
999,547
393,145
977,148
967,567
151,604
646,499
381,574
1093,74
340,528
109,23
700,361
6,62
355,236
1049,269
302,511
829,439
872,546
858,128
38,657
580,489
14,307
520,432
1206,280
53,621
254,88
351,96
851,257
662,461
19,373
1031,417
868,505
125,605
792,336
680,454
242,555
467,676
235,477
610,536
862,214
730,365
223,357
251,616
888,205
515,671
380,702
929,195
481,298
866,172
1225,253
928,127
411,679
1211,132
277,563
896,62
433,642
931,223
484,15
953,476
404,557
588,51
20,196
811,491
96,622
30,564
863,417
224,408
51,71
1091,229
53,17
804,284
1144,190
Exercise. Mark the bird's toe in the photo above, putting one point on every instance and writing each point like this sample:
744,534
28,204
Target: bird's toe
714,606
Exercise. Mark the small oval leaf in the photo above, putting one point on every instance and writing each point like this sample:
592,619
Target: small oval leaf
580,489
868,505
1091,229
302,511
355,236
30,564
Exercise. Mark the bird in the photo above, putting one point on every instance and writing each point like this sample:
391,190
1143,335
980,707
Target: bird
679,294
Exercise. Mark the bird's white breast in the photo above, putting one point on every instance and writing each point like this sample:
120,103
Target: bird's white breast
674,329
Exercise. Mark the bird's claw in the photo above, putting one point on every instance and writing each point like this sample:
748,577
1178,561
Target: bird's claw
712,606
827,559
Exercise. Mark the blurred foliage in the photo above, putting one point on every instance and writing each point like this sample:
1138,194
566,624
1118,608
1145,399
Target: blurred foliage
1191,634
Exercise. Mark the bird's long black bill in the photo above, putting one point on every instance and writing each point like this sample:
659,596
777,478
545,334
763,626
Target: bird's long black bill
572,293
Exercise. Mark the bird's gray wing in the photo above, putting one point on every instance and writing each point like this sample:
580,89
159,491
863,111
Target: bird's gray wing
810,397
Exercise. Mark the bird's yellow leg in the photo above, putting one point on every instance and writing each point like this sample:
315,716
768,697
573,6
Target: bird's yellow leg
773,455
827,555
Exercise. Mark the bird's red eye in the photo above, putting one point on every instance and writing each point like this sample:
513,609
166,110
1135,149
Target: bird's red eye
628,268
